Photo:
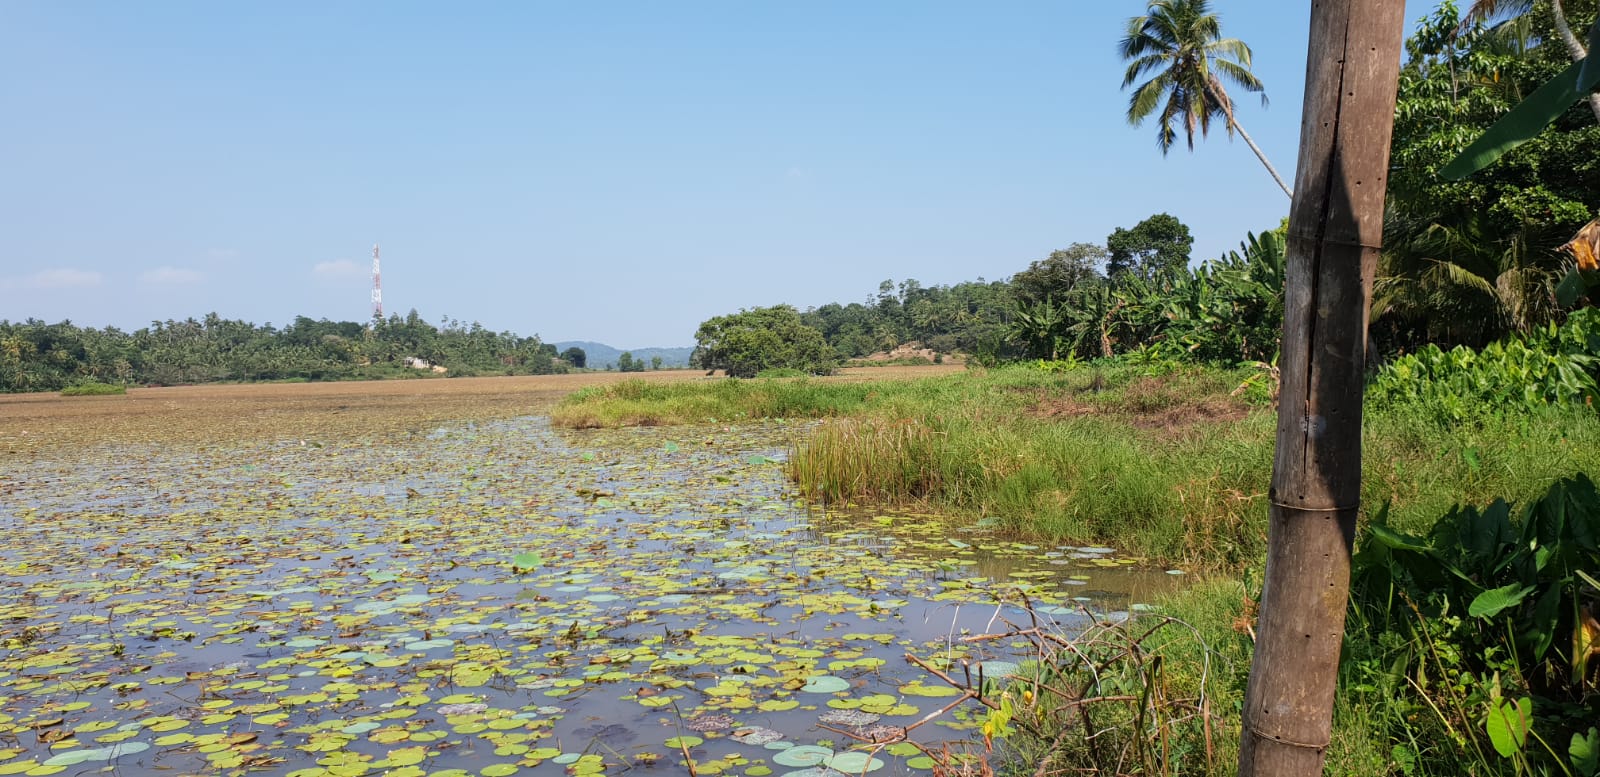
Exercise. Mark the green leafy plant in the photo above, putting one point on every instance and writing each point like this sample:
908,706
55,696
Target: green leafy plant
1474,623
1556,365
93,390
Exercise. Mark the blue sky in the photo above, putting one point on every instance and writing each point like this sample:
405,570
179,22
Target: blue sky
604,171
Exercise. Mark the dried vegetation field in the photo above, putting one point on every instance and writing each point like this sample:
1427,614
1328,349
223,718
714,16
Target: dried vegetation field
36,424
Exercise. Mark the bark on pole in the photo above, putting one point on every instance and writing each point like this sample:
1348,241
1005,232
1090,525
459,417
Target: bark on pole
1335,232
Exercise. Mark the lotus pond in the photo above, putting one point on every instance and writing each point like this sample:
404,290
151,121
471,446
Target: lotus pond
493,599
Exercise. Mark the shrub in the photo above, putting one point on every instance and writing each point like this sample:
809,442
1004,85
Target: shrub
93,390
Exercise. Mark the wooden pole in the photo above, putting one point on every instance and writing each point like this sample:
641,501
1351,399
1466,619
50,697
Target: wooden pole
1335,232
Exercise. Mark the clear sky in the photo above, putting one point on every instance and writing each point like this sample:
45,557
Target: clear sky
595,170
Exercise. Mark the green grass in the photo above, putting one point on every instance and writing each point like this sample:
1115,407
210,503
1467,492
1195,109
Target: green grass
93,390
644,403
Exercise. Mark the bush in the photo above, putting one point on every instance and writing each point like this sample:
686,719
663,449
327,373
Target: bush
93,390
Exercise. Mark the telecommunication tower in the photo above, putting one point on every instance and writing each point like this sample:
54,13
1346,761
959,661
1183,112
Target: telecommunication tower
377,285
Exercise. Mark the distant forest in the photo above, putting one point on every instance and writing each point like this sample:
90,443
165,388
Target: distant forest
36,356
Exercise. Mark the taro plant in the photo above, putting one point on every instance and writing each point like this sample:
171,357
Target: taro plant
1556,365
1484,630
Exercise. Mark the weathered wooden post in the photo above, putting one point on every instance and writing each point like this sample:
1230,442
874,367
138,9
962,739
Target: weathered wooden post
1335,231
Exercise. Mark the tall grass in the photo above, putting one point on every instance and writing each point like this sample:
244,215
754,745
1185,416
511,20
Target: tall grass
1158,467
1111,457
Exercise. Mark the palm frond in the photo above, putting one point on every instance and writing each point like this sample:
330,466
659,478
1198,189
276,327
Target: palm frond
1240,76
1482,11
1142,65
1145,99
1170,115
1445,273
1229,48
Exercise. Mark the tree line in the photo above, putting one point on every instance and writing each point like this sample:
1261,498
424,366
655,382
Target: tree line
1090,300
39,356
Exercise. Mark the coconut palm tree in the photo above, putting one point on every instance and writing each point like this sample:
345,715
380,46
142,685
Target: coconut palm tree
1177,45
1464,284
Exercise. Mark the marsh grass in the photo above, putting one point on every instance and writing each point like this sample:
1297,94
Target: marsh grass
643,403
1168,465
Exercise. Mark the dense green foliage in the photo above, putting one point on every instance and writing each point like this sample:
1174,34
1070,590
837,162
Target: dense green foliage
1482,616
1155,248
36,356
965,317
1065,306
746,343
1554,366
1468,262
1055,276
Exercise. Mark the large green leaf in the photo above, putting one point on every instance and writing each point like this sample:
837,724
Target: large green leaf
1396,540
1528,119
1542,631
1491,602
1508,724
1585,753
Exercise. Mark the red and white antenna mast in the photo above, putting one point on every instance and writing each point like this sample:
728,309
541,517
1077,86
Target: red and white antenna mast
377,285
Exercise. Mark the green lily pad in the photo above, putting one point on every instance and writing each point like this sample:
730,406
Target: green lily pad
803,755
854,763
825,683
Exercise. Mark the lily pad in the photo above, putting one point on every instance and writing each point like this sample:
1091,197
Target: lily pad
825,683
854,762
803,755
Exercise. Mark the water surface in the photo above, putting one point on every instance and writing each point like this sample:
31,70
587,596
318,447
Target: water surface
491,599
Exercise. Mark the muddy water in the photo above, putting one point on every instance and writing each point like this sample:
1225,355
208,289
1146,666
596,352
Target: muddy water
491,599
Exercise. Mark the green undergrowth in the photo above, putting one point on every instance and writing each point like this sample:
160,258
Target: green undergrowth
1154,694
93,390
1221,611
1472,643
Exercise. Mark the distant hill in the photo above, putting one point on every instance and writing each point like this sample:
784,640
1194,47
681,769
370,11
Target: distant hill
600,354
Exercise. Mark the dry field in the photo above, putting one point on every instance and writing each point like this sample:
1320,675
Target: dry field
49,424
